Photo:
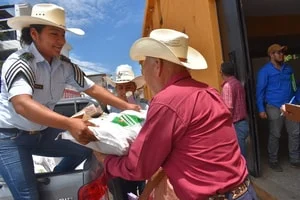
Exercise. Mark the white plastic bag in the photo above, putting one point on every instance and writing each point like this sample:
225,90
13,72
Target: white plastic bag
115,131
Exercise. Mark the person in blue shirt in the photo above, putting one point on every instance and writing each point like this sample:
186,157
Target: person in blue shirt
126,85
276,86
33,80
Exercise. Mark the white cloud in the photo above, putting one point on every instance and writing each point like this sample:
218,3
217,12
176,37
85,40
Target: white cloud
89,67
84,12
110,38
78,12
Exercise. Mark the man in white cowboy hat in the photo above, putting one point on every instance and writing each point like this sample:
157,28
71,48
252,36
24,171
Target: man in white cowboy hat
126,85
188,130
32,81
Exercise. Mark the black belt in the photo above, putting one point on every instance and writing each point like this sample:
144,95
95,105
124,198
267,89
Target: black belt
235,192
15,130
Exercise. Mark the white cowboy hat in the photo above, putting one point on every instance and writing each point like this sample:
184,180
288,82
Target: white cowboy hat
169,45
125,74
44,14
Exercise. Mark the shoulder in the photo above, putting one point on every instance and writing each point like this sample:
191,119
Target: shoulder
67,62
27,56
286,65
18,58
265,68
18,64
65,59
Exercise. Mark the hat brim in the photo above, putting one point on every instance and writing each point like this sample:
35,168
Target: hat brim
284,48
21,22
153,48
139,81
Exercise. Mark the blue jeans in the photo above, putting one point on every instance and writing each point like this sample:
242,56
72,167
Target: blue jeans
242,131
16,163
249,195
120,188
275,125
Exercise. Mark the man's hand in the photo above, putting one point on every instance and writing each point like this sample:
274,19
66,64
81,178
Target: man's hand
283,111
263,115
100,156
80,131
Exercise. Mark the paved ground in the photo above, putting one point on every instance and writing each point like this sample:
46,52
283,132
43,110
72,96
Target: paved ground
282,185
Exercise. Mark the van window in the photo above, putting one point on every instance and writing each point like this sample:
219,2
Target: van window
65,109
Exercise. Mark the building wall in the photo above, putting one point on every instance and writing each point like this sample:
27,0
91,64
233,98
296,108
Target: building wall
198,19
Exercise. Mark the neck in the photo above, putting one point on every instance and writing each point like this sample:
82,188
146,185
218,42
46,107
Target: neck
226,77
276,64
168,72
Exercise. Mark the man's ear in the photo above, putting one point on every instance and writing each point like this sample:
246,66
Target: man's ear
158,66
134,86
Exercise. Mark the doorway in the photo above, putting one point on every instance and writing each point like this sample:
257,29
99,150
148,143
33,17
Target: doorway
247,29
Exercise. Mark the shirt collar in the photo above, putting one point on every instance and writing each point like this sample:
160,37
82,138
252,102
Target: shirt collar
282,65
38,56
228,79
178,77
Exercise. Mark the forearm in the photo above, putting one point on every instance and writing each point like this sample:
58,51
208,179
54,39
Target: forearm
152,183
106,97
37,113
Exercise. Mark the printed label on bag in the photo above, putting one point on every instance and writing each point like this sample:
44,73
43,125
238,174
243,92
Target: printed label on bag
127,120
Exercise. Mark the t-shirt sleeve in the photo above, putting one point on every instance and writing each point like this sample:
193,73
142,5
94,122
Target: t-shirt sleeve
77,78
17,77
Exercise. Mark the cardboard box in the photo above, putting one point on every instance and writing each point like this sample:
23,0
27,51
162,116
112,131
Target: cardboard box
293,112
88,112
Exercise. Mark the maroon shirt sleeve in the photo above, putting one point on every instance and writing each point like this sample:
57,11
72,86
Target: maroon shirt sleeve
151,147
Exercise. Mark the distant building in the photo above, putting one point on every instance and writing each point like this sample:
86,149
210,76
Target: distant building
98,79
9,37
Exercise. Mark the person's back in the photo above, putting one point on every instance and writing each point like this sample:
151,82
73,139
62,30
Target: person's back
233,95
208,140
239,110
188,131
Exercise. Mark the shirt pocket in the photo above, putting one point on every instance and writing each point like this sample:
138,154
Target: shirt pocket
274,80
57,89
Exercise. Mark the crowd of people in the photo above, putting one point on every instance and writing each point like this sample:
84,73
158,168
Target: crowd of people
201,132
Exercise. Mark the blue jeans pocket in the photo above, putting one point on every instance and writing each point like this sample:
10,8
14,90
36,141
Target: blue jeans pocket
9,135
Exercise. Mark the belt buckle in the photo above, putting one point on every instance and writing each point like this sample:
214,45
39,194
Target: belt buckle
241,189
33,132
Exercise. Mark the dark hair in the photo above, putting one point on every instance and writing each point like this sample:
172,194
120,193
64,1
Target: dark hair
227,68
26,37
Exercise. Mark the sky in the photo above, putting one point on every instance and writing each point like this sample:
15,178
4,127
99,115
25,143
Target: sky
111,27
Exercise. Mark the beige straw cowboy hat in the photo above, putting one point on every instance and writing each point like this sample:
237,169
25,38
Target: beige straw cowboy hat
43,14
169,45
125,74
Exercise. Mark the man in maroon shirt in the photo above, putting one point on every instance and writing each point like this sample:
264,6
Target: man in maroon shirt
188,130
233,94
